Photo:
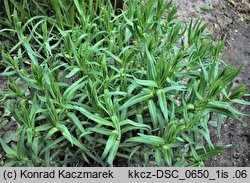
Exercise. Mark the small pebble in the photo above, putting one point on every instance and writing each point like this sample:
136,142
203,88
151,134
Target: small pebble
236,155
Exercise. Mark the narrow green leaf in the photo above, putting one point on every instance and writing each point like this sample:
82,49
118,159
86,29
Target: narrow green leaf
7,149
148,83
136,99
163,103
113,153
110,143
90,115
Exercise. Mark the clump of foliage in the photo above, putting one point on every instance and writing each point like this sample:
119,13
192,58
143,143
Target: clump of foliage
88,87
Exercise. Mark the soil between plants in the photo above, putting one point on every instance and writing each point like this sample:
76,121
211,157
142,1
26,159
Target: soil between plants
229,20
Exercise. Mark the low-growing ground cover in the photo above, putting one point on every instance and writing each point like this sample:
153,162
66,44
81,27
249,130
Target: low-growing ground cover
88,87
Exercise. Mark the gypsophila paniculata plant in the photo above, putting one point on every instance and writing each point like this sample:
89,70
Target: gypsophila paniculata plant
88,86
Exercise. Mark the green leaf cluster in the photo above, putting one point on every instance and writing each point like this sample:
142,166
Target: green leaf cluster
90,87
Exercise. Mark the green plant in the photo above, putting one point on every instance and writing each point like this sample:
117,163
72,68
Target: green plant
207,7
91,88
